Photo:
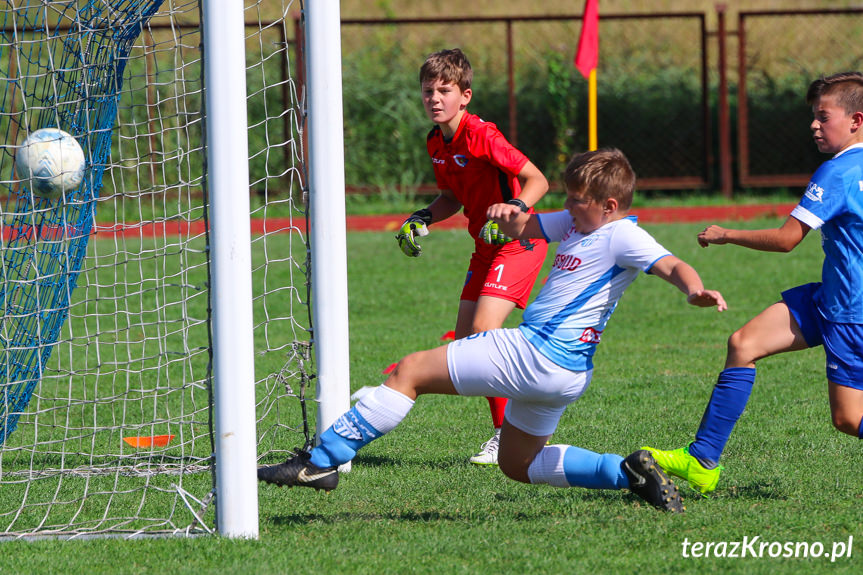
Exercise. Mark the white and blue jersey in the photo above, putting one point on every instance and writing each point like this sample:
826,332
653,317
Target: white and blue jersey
588,277
833,203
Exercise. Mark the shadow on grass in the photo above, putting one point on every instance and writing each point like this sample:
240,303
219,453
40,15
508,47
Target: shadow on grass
572,501
629,503
422,461
430,516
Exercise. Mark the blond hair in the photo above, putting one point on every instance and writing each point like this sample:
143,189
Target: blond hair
600,175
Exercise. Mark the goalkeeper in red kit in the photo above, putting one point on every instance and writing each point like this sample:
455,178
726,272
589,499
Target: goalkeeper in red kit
476,167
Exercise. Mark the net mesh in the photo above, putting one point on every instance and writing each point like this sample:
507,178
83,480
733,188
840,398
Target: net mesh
106,384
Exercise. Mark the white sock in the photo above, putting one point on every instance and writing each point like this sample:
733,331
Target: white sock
547,467
384,408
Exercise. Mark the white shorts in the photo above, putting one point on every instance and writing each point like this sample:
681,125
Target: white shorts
502,363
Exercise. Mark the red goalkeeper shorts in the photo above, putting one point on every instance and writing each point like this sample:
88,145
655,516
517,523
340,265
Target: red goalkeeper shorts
508,272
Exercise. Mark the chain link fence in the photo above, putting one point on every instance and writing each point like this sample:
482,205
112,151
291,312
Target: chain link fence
780,54
694,107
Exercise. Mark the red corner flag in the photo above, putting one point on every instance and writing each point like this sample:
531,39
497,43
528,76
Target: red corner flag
587,57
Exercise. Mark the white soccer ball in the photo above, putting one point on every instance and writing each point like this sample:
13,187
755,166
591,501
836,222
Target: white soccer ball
51,163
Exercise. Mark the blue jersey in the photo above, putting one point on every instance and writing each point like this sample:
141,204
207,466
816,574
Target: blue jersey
588,276
833,203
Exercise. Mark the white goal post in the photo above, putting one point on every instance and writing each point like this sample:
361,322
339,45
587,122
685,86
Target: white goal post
233,346
327,208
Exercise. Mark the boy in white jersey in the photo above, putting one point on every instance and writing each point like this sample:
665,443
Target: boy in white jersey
544,364
829,312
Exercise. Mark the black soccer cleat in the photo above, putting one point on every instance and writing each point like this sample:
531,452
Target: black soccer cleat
648,481
298,470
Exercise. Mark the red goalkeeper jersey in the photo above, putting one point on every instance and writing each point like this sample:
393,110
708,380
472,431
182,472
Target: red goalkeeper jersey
478,165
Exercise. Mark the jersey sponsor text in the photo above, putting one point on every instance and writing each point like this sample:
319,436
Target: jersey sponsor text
566,262
590,335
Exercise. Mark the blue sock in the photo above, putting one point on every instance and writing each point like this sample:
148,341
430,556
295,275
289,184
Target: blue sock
588,469
860,430
725,407
341,441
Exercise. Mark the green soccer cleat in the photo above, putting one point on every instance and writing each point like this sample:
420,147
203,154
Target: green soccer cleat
679,463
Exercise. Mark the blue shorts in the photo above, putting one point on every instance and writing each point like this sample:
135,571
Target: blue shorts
843,342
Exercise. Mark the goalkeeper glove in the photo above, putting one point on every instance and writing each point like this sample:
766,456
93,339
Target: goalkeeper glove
491,234
415,226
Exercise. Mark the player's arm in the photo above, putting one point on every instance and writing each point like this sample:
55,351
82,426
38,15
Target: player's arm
445,205
534,185
683,276
416,225
782,239
507,222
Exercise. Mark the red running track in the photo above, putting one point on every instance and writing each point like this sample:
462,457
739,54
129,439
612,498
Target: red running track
645,215
390,223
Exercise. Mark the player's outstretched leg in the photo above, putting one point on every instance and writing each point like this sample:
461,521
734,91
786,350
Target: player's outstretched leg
375,414
648,481
299,470
571,466
680,463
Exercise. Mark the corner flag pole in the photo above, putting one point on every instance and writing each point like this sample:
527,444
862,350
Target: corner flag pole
591,111
586,60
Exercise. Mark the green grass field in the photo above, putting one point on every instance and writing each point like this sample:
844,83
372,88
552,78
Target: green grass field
412,503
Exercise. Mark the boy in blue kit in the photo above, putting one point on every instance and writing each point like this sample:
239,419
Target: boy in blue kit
828,313
544,364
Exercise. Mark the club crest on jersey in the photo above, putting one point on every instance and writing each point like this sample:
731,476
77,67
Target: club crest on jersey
814,192
460,160
590,335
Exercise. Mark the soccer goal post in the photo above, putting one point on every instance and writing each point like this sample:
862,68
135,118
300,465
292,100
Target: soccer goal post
327,208
233,347
156,335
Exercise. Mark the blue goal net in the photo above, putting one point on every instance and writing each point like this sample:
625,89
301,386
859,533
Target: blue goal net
61,66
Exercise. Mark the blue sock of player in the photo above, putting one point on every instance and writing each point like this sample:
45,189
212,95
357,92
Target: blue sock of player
725,407
375,414
860,429
570,466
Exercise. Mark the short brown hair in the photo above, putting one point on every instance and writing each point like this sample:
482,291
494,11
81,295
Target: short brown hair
448,66
602,174
846,86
